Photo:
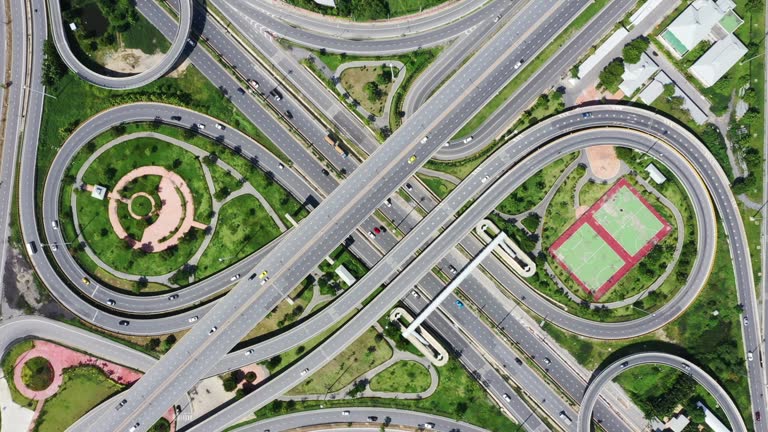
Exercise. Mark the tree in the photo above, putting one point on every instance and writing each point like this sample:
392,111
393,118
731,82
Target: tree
610,77
229,383
634,49
53,68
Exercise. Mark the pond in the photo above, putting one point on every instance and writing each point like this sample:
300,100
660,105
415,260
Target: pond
94,22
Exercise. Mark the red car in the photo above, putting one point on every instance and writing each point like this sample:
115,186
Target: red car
377,231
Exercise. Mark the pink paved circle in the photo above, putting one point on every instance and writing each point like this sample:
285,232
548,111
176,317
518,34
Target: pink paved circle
174,218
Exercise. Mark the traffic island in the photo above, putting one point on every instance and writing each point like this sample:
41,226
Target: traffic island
427,344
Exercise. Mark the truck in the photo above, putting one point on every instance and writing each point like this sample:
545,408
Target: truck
335,144
565,418
31,248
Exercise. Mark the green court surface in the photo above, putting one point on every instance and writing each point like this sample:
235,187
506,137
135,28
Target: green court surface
731,22
589,257
628,220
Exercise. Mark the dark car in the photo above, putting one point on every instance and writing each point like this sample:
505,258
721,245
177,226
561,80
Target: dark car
372,418
325,172
176,118
288,114
240,90
124,323
518,361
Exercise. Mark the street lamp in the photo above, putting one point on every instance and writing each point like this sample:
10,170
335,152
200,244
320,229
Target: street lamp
643,310
226,258
753,218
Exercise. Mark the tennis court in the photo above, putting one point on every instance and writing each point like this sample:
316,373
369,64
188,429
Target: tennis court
588,257
628,219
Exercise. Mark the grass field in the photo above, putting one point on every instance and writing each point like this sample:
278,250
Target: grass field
438,186
589,257
403,377
458,396
354,81
83,388
243,227
37,373
628,220
533,190
362,355
9,360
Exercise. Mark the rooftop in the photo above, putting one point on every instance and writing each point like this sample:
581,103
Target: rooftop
718,60
635,75
695,23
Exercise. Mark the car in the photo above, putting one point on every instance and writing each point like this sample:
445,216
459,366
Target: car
447,144
460,304
219,126
176,118
240,90
235,277
288,114
757,415
54,247
518,361
547,360
586,115
686,367
484,179
252,277
263,281
55,224
424,140
86,281
408,187
468,139
122,403
372,418
412,159
345,413
625,364
253,83
124,323
249,352
496,18
429,425
280,166
324,171
506,397
518,64
173,297
371,235
111,302
177,409
263,274
452,269
212,330
276,94
388,202
192,319
376,230
201,126
191,42
305,371
749,355
415,294
746,321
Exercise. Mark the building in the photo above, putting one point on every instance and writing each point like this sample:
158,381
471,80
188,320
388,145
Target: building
718,59
711,419
345,275
602,51
655,174
703,19
99,192
329,3
635,75
656,88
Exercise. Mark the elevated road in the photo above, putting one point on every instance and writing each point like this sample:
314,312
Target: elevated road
607,375
178,46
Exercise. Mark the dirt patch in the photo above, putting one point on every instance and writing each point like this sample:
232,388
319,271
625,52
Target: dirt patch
581,210
603,161
131,60
21,293
592,94
354,81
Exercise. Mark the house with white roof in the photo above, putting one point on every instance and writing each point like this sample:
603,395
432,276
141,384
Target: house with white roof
718,59
703,19
637,74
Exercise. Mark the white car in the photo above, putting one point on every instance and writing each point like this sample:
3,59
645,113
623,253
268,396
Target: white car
280,166
54,247
371,235
55,224
219,126
414,294
429,425
345,413
388,202
110,302
484,179
468,139
249,352
235,277
201,126
746,321
212,330
304,372
424,140
506,397
192,319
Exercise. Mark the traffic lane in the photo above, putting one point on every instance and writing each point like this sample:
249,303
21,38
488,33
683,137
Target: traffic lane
360,416
460,319
610,372
541,80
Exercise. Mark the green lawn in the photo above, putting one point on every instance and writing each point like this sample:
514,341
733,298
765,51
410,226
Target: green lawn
9,360
560,213
356,80
530,67
458,396
366,11
93,215
438,186
364,354
531,222
402,377
144,36
37,373
224,182
83,388
244,226
533,190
